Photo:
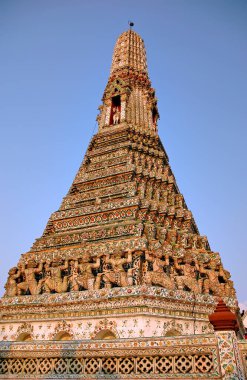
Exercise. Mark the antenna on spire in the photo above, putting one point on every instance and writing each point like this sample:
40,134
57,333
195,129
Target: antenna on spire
131,24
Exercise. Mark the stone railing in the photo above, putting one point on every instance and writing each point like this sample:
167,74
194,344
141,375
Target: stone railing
193,357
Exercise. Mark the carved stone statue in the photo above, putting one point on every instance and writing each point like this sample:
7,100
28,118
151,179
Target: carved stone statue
179,200
163,194
171,198
150,231
228,286
141,188
149,190
171,236
117,275
161,233
54,281
74,272
83,275
29,283
203,242
157,276
116,115
156,195
11,284
187,277
182,238
194,239
211,283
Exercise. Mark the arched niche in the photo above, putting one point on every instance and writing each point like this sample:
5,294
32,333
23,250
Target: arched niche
63,335
115,115
172,332
105,335
24,337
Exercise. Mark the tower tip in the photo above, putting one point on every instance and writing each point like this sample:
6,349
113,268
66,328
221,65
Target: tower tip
131,24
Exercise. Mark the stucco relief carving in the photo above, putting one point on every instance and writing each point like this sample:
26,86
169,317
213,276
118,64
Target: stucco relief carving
165,265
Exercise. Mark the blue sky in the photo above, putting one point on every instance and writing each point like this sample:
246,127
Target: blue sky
55,62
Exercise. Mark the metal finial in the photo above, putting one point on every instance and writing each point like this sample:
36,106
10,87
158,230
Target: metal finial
131,24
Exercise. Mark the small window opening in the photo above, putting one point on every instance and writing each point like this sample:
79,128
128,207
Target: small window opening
115,110
154,116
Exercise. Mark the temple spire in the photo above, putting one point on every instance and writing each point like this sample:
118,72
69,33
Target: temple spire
129,52
128,96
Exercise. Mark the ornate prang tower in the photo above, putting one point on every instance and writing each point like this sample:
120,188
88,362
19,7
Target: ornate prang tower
121,284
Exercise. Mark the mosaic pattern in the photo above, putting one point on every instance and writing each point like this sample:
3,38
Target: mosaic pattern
231,365
121,326
129,52
243,353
